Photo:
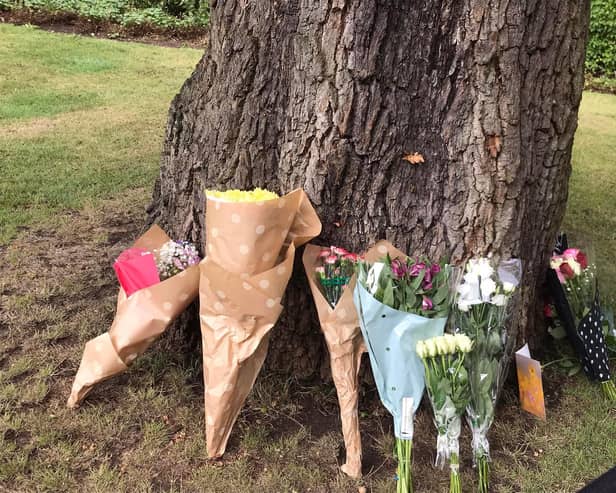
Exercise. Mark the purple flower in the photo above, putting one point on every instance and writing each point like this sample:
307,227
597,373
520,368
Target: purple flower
435,269
398,268
178,263
416,269
427,304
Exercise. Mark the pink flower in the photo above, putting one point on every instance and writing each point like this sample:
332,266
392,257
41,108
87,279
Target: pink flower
332,259
320,270
324,253
577,255
416,269
178,263
427,304
435,269
351,257
339,251
398,268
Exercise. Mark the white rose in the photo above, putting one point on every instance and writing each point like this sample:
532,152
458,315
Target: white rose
469,291
508,287
441,345
463,343
437,344
488,286
430,348
484,268
499,300
420,349
450,342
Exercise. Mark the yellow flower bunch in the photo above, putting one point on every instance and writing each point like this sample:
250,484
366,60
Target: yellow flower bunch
256,195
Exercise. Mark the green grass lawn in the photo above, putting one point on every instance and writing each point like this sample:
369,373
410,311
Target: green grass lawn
81,127
80,120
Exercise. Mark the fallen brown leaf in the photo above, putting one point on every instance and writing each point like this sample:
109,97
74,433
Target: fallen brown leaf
414,158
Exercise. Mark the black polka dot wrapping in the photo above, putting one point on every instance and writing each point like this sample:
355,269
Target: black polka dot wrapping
595,358
586,337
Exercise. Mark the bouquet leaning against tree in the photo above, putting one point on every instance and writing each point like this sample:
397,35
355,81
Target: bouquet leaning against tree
400,301
573,282
480,310
449,391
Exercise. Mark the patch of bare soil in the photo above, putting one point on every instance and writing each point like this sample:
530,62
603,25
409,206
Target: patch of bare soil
70,23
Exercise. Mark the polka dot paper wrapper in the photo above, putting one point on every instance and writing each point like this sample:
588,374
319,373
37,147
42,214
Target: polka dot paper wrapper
140,319
345,343
250,253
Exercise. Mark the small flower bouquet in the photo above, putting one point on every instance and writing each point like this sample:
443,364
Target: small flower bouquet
400,301
334,271
449,391
573,283
175,257
480,311
251,240
154,290
330,276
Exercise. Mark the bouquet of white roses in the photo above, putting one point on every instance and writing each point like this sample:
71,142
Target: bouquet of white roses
449,391
480,312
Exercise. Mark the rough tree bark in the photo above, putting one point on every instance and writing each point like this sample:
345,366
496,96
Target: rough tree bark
330,95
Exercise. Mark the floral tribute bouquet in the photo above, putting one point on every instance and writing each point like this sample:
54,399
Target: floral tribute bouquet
329,273
480,310
400,301
251,242
449,391
335,271
154,290
573,283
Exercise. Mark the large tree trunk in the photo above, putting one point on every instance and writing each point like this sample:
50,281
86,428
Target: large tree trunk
330,95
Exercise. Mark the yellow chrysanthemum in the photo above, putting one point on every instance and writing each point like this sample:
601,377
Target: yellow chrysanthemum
256,195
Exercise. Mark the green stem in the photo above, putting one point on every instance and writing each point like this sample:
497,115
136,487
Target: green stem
609,390
454,476
484,471
404,451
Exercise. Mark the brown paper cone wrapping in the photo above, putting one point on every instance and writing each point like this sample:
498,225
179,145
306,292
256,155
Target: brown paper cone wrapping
345,343
139,320
251,248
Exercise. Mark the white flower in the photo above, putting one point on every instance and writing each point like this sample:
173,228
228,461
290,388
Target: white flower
484,269
499,300
430,347
469,291
463,306
463,343
508,287
556,262
450,343
441,345
420,348
488,286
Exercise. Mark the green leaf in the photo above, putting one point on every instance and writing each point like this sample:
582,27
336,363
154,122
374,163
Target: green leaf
557,332
574,371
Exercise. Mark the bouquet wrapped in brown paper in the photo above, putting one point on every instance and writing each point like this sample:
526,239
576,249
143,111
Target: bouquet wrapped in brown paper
140,319
333,297
251,242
